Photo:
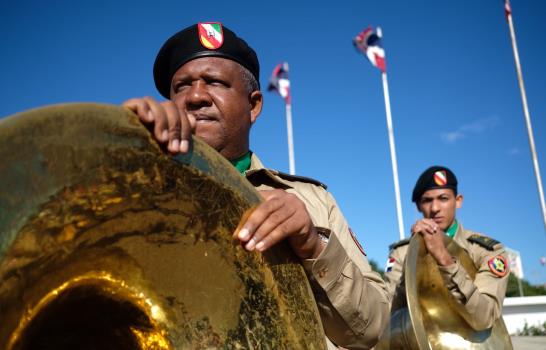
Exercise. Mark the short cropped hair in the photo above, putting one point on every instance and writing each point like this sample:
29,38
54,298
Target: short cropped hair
251,84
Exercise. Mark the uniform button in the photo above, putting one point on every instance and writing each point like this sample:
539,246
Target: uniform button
322,272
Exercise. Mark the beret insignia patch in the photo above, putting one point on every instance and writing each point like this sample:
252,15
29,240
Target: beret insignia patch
440,178
498,266
211,35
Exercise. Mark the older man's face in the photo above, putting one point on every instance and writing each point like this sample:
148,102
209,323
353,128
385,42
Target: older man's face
211,91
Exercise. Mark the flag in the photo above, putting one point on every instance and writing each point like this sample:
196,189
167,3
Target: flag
507,9
514,261
369,43
279,81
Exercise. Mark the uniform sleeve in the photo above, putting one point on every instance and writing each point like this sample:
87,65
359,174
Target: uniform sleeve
483,297
352,299
393,271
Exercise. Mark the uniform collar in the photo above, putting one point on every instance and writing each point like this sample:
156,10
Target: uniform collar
258,174
242,164
255,164
452,230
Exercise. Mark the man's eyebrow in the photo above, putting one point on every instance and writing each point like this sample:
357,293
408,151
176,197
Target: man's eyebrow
209,73
212,74
181,77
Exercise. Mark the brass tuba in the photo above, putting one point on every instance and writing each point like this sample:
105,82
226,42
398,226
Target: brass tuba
108,243
426,316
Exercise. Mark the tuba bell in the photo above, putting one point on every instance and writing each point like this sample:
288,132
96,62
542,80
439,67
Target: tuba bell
427,317
108,243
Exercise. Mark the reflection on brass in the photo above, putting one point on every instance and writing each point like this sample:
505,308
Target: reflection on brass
427,317
108,243
98,289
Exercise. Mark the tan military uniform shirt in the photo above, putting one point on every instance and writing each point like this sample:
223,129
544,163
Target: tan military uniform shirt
352,299
482,297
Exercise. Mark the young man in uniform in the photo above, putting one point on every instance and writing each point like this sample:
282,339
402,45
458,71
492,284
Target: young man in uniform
209,77
436,197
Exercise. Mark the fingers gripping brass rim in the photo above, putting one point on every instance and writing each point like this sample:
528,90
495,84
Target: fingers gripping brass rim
103,234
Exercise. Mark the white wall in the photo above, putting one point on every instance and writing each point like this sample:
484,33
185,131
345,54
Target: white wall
517,311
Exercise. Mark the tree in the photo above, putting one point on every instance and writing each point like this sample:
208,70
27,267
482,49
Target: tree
528,289
376,268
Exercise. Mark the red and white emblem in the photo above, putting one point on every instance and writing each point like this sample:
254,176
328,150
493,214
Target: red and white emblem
211,34
440,178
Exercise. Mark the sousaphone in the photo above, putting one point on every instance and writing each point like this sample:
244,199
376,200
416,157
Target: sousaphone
106,242
427,317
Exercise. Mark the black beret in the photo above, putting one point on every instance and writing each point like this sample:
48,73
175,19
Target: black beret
206,39
432,178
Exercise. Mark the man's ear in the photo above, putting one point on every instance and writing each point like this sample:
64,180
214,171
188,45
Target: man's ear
256,104
459,201
418,207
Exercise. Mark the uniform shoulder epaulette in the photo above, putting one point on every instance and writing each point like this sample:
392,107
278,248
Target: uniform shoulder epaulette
399,244
298,178
484,241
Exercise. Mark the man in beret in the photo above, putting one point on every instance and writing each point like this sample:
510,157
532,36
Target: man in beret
210,78
436,197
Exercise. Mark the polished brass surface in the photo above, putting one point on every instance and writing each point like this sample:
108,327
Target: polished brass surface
108,243
426,316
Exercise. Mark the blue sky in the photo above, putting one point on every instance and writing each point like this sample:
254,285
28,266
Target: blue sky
454,94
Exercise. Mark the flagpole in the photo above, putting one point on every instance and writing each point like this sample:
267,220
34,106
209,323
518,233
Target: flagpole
393,155
526,112
291,161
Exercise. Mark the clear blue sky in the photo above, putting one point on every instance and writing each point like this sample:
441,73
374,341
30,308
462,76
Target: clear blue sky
454,94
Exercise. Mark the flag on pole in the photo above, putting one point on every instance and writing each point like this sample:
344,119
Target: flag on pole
514,260
507,9
526,114
369,43
279,81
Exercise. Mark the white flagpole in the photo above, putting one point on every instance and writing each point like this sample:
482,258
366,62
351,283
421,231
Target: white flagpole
526,113
290,138
393,155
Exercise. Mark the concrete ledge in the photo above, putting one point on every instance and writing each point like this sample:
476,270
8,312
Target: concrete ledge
518,311
529,343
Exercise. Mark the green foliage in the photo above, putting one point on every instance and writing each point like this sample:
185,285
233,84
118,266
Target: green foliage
376,268
528,289
532,330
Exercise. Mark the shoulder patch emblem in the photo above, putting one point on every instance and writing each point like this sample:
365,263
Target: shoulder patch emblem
356,241
399,244
390,264
498,266
298,178
486,242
